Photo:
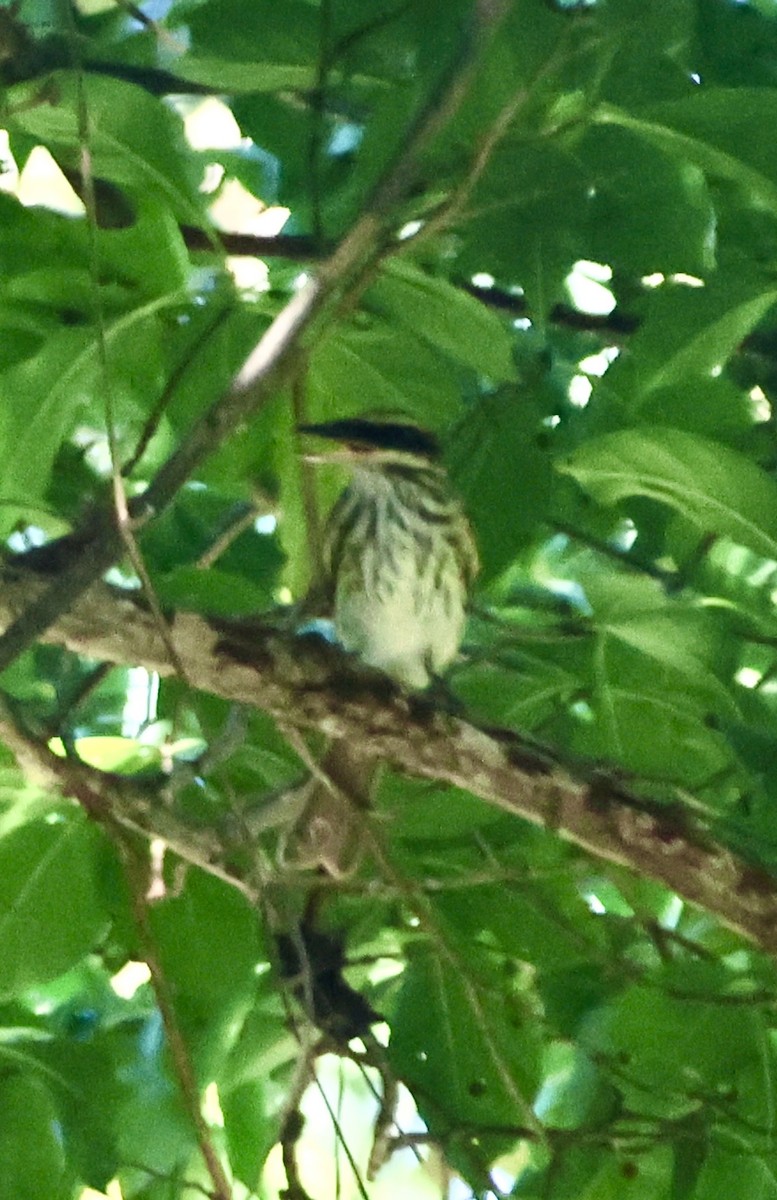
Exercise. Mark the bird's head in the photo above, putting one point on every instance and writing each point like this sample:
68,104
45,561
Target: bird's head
374,442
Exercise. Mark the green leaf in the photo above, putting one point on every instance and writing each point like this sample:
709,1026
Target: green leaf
634,613
710,1043
40,935
48,397
217,337
32,1158
153,245
649,50
218,593
281,129
715,488
719,130
381,367
521,66
714,407
569,1087
500,465
627,696
468,1052
527,695
665,639
649,211
448,318
62,383
133,140
257,33
264,1046
244,1109
248,571
96,1059
122,755
689,1158
627,1176
527,221
689,335
727,1173
209,943
531,922
738,43
418,809
253,77
151,1125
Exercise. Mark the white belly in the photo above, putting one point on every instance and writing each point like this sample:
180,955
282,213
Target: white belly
410,628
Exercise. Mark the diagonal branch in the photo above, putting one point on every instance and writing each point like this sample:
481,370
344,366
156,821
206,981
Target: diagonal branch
304,684
100,543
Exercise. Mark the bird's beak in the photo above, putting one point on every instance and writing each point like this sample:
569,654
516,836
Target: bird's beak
341,455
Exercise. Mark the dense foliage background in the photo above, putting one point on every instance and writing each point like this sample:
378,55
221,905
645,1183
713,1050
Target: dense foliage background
566,219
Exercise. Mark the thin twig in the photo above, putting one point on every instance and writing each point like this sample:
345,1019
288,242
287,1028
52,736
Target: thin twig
452,209
166,39
292,1123
669,578
120,502
169,1178
615,326
149,592
179,1051
342,1141
242,521
385,1121
318,99
68,703
313,527
172,383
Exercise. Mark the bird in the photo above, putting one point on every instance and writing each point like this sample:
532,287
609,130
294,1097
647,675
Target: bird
399,556
398,560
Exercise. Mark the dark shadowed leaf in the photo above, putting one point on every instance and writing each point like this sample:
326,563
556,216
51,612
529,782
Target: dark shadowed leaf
717,489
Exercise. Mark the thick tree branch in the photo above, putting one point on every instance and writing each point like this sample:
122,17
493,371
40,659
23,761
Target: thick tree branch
304,683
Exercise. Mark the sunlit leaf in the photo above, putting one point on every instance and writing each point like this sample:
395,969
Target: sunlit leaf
134,141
